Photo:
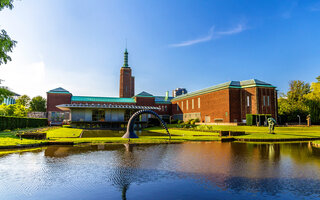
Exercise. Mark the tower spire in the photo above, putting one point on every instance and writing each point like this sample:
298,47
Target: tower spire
125,64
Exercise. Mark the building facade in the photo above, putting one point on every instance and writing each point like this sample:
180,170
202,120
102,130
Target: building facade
224,103
227,103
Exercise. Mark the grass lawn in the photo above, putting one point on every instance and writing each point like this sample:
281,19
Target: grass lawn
8,138
64,133
178,135
252,132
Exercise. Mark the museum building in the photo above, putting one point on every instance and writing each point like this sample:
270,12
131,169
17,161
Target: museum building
224,103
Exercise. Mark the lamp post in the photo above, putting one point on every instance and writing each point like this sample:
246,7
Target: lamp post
299,119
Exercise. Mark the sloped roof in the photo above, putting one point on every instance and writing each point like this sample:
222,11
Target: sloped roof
230,84
102,99
144,94
59,90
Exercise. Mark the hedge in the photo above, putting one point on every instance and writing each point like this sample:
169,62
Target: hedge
12,123
252,119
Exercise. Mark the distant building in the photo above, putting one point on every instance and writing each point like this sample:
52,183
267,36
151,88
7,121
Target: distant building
179,91
10,100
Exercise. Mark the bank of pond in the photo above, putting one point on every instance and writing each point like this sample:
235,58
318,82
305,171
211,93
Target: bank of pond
155,135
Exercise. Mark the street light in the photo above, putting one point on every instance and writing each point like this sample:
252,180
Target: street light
299,119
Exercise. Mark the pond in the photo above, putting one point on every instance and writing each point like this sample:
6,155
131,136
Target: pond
207,170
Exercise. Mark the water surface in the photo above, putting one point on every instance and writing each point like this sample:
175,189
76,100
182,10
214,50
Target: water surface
206,170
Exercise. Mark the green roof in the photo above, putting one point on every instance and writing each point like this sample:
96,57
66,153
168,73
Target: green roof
144,94
230,84
59,90
103,99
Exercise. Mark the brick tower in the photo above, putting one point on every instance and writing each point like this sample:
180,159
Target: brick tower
126,79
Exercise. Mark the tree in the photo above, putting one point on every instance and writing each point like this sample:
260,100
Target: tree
6,43
294,103
318,78
4,93
20,111
38,104
297,90
313,102
23,100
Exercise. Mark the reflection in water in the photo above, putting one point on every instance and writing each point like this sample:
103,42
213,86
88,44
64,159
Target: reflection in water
171,171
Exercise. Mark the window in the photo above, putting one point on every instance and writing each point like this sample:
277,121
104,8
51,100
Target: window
192,103
268,100
264,100
98,115
248,101
187,104
199,102
178,106
166,108
181,105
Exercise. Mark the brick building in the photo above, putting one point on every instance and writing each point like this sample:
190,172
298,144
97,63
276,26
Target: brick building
227,102
224,103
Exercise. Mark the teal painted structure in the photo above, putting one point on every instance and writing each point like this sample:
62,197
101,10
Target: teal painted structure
102,99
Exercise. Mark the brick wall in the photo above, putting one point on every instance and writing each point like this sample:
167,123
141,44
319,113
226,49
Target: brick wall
54,99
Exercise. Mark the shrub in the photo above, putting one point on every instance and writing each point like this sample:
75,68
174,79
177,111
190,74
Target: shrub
21,122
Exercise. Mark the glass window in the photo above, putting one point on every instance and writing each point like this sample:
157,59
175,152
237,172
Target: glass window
178,106
98,115
187,104
181,105
248,101
199,102
268,100
192,103
264,100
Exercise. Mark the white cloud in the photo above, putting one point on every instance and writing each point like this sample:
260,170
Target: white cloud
195,41
211,35
25,79
238,29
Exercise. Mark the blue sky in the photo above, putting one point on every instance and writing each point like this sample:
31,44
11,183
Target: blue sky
79,44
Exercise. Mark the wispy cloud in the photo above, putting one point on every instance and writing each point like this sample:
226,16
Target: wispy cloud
210,36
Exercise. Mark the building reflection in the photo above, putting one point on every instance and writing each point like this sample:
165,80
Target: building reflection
231,166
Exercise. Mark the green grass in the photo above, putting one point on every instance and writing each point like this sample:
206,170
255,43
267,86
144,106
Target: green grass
178,135
8,138
64,133
316,142
252,132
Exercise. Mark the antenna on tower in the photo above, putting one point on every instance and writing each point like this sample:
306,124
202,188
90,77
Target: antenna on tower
126,43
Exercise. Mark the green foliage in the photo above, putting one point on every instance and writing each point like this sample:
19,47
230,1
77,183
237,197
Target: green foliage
6,4
313,102
294,102
6,43
15,110
252,119
5,93
38,104
23,100
249,119
12,123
